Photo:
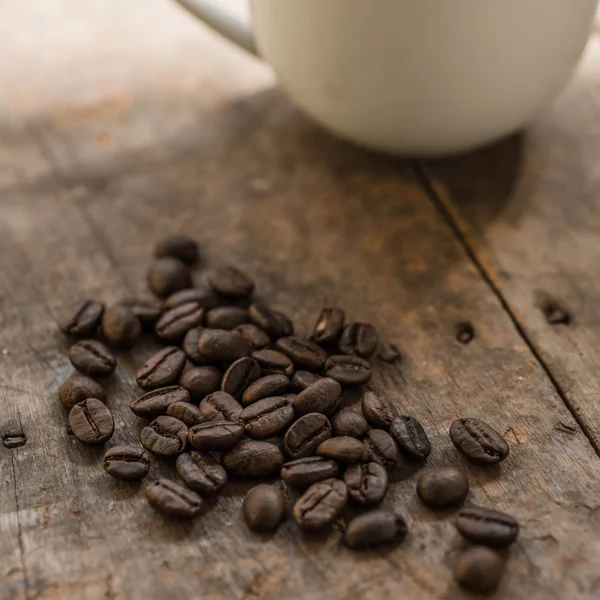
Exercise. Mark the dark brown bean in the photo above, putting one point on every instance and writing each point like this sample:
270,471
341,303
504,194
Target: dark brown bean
120,327
273,361
381,448
91,422
185,412
146,310
215,435
180,246
129,463
256,337
226,317
306,434
487,527
269,385
378,410
349,422
201,472
267,417
81,320
329,325
321,504
220,406
389,353
303,353
443,487
241,374
479,442
200,382
167,275
155,403
161,369
78,388
322,396
251,458
173,500
302,379
222,345
231,283
176,322
409,435
275,323
165,436
264,508
375,528
479,569
303,472
93,358
348,370
204,296
359,338
342,449
367,483
190,346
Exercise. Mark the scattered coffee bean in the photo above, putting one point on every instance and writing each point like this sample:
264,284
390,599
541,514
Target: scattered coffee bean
555,313
231,283
251,458
129,463
359,338
264,508
167,275
91,422
479,569
487,527
321,504
165,436
204,296
348,370
275,323
444,487
178,245
155,403
176,322
479,442
222,345
226,317
273,361
267,417
147,311
241,374
389,353
409,435
343,449
303,353
173,500
322,397
93,358
220,406
378,411
302,379
269,385
329,325
375,528
256,337
349,422
81,320
78,388
215,435
303,472
190,346
201,472
120,327
381,448
306,434
185,412
161,369
367,483
200,382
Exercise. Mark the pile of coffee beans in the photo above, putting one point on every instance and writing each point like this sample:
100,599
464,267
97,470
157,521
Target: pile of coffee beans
233,393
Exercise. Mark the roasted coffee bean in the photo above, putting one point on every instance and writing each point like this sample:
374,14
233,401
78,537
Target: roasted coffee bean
273,361
167,275
176,322
302,379
201,381
130,463
201,472
302,472
220,406
226,317
120,327
185,412
347,369
190,346
81,320
173,500
359,338
389,353
267,417
241,374
91,422
93,358
78,388
487,527
375,528
321,504
329,325
146,310
343,449
155,403
215,435
378,410
251,458
264,508
367,483
180,246
479,569
269,385
479,442
349,422
306,434
166,436
222,345
302,352
381,448
275,323
443,487
256,337
161,369
322,397
231,283
204,296
410,437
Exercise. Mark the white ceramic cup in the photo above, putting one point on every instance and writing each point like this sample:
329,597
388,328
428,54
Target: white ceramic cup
415,77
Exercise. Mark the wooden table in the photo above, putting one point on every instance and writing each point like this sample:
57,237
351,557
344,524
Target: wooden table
124,121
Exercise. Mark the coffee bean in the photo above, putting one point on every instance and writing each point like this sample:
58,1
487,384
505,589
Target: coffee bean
322,397
321,504
215,435
343,449
256,337
204,296
264,508
251,458
302,379
329,325
165,436
92,358
147,311
201,472
161,369
185,412
78,388
359,338
91,422
347,369
378,410
120,327
268,416
129,463
349,422
381,448
303,472
269,385
241,374
231,283
81,320
302,352
389,353
190,346
479,442
479,569
178,245
173,500
443,487
375,528
367,483
222,345
220,406
410,437
273,361
226,317
155,403
275,323
306,434
487,527
176,322
167,275
200,382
